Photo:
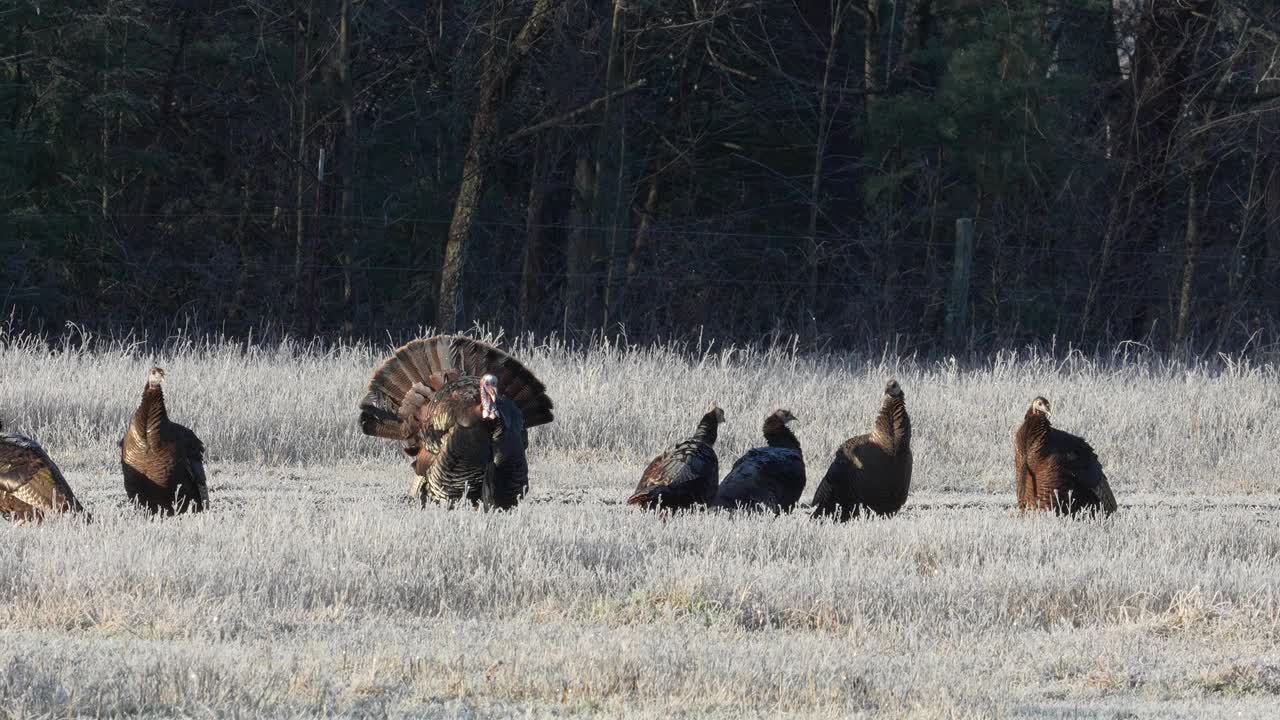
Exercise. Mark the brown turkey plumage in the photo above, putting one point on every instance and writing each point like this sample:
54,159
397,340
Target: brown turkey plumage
687,473
872,471
461,408
1056,470
769,478
31,485
163,462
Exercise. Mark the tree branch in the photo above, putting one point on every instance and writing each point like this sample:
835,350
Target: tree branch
565,118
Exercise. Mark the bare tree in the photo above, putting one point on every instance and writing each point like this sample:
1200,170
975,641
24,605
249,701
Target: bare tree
497,70
1165,43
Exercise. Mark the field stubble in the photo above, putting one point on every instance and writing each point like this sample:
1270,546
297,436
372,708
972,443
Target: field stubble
316,587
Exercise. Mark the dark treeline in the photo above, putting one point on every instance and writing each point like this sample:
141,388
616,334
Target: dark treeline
651,167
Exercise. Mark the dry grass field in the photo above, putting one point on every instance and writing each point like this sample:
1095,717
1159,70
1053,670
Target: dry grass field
315,587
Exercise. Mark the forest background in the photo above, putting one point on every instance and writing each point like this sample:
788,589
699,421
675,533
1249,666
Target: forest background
936,174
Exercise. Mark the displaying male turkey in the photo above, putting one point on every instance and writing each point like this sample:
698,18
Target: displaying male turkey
462,409
767,478
163,461
1057,470
686,473
30,483
871,471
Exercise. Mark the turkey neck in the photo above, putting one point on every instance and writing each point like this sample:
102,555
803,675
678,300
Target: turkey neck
152,405
708,429
153,394
1034,429
778,435
893,425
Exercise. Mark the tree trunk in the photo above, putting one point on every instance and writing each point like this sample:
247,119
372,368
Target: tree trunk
893,40
1163,62
346,161
1267,69
15,112
1190,251
106,120
236,314
612,153
808,311
532,274
1083,40
644,230
870,48
642,246
450,314
919,22
143,205
580,254
300,166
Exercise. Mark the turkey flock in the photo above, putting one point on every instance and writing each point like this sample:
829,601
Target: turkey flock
462,409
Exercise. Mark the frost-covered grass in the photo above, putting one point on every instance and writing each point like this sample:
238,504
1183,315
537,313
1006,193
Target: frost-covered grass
315,587
1158,427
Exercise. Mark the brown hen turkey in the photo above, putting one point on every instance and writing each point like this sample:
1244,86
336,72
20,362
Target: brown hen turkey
461,409
870,472
687,473
163,461
31,485
1056,470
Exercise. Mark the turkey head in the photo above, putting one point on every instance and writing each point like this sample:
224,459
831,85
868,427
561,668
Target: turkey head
1040,406
489,397
717,410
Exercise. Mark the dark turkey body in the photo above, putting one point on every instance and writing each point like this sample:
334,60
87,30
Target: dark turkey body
681,477
872,471
686,474
769,478
863,475
166,475
481,462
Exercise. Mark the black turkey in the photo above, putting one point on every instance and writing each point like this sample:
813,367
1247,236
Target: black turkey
686,473
873,471
768,478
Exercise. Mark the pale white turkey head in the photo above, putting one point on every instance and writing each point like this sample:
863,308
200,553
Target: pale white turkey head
489,397
1041,405
156,377
719,413
892,388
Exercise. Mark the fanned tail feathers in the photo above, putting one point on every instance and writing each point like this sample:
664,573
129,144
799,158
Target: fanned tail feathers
434,361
